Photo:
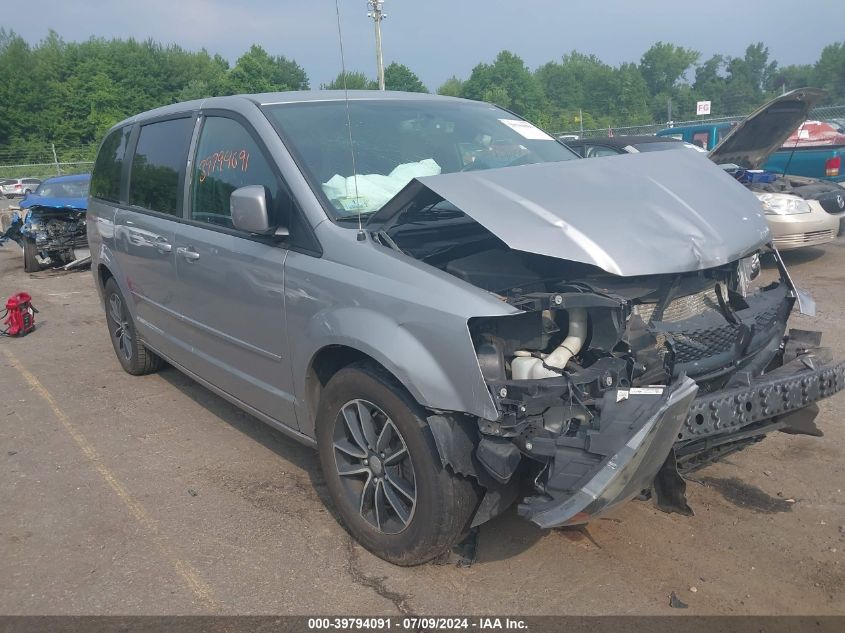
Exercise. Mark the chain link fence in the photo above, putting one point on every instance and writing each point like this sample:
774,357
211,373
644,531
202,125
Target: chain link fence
43,161
826,113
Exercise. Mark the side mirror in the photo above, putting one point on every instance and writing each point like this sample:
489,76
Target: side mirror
248,206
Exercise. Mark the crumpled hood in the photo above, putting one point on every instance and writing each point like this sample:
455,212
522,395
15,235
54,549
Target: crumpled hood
763,132
72,204
633,214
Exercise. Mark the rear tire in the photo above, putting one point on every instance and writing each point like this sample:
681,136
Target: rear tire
30,259
390,461
133,356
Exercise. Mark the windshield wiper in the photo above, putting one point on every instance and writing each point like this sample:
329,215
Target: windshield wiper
386,240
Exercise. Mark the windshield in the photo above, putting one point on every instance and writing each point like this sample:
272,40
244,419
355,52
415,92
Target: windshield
664,145
396,141
69,189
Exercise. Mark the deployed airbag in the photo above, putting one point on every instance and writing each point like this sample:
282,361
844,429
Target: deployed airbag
374,190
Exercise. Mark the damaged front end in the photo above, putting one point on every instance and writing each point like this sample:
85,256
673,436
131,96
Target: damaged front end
651,348
59,234
609,383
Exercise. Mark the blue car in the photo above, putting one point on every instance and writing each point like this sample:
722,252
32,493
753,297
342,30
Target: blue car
53,229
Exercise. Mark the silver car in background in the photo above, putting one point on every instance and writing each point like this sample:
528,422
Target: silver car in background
450,305
12,187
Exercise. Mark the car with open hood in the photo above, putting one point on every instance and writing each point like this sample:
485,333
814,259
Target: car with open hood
451,306
53,231
802,211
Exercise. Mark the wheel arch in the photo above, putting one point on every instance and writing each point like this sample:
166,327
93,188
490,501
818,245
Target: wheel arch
327,362
104,273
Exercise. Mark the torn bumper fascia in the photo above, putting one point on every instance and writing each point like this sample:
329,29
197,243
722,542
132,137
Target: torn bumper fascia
693,424
626,472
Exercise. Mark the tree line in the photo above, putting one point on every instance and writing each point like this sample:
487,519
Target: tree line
70,93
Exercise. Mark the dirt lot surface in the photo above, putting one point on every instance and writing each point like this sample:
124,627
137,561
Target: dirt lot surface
151,495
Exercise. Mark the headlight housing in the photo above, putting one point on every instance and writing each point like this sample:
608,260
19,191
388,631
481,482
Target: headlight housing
782,204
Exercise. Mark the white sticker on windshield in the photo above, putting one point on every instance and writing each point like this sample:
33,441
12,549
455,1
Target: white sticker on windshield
526,129
352,204
651,390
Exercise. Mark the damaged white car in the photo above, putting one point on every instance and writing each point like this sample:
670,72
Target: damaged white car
452,307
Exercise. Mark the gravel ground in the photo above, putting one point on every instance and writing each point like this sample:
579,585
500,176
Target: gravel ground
151,495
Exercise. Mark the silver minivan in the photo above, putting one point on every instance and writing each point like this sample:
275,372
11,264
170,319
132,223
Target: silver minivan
18,186
449,304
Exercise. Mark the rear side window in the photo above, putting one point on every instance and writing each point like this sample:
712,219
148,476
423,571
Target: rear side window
594,151
229,158
158,167
108,167
701,139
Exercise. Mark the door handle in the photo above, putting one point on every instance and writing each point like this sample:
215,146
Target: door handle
187,253
162,245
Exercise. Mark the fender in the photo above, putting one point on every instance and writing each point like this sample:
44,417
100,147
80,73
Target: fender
407,351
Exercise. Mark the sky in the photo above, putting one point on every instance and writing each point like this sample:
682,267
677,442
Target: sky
441,38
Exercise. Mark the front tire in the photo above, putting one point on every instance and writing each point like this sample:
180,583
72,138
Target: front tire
30,259
383,470
133,356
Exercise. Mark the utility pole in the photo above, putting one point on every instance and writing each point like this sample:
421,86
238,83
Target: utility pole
669,111
377,14
56,160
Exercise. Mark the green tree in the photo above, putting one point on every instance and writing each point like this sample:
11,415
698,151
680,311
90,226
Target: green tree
709,82
663,65
748,76
74,91
829,71
194,89
578,81
630,102
257,71
584,86
507,82
452,87
791,77
400,77
354,81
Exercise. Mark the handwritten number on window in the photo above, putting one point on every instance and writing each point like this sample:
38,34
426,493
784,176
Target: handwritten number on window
224,160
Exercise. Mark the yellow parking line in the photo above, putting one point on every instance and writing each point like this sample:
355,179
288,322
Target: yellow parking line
195,583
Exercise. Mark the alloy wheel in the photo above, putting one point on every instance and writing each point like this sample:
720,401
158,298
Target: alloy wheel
374,466
120,326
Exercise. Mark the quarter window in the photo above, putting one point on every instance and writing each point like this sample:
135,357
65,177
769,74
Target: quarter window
108,167
159,164
229,158
701,139
594,151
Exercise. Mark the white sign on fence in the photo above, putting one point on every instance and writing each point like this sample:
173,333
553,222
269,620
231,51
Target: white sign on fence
702,107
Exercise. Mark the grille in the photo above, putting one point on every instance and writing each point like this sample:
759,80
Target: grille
697,344
803,239
764,319
681,308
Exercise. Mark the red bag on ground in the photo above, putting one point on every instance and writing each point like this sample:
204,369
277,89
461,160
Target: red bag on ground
20,315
